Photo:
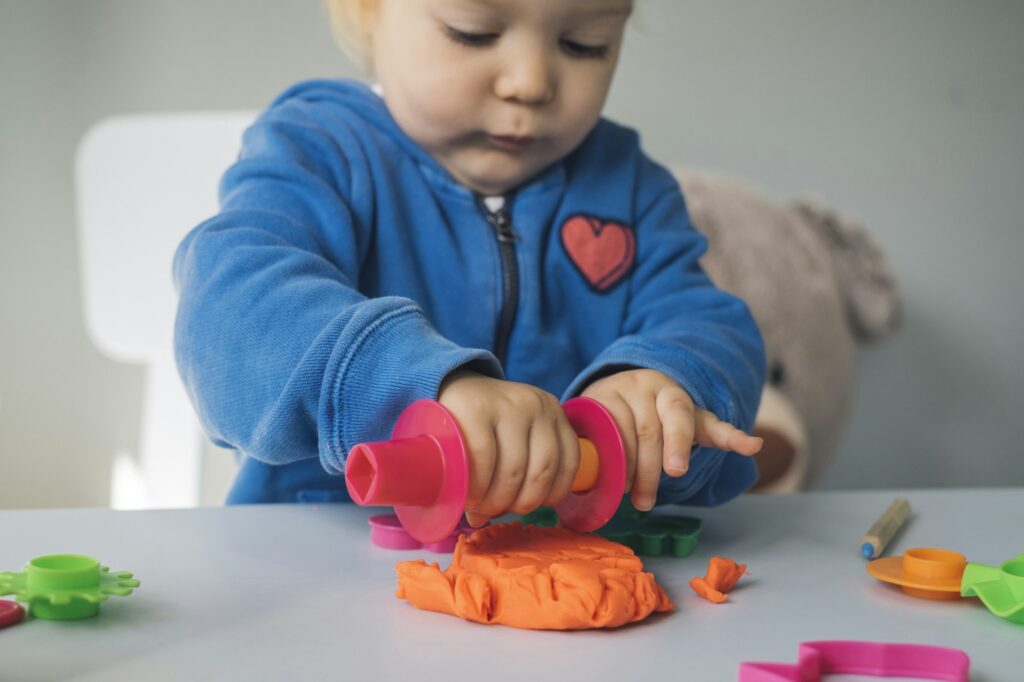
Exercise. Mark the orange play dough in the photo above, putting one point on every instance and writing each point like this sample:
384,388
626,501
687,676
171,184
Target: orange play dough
536,578
722,576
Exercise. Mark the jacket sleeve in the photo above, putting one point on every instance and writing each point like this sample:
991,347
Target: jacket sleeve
282,356
680,324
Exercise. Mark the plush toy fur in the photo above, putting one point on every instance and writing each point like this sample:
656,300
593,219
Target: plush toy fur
818,286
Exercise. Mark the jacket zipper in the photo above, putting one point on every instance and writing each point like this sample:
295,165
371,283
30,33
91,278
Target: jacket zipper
501,221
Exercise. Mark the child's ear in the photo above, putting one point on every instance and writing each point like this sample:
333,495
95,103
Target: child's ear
873,303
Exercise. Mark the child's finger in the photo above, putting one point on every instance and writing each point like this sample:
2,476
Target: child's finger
509,469
712,432
483,454
676,410
569,464
543,464
648,452
624,420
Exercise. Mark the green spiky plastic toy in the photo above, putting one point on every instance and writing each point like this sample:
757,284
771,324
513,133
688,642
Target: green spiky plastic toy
65,586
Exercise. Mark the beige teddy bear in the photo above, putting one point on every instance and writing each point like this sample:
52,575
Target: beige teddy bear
818,286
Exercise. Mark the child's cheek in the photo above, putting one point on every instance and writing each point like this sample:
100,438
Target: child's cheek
445,106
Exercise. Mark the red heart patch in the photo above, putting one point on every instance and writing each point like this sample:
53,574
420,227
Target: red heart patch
602,250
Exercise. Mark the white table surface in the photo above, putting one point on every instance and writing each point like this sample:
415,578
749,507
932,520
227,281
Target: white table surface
299,593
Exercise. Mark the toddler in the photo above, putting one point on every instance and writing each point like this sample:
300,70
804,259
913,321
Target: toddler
471,230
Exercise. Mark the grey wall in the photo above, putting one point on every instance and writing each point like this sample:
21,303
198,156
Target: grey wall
906,115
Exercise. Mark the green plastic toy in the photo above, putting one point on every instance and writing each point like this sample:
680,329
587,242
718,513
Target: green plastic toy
657,535
1000,589
65,586
646,534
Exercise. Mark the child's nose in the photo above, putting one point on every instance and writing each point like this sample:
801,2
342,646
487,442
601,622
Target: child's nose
526,78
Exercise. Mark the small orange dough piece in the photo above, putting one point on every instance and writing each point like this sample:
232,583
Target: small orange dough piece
536,578
721,577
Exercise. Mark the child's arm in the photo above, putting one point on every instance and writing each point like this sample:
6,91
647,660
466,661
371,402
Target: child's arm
703,339
282,356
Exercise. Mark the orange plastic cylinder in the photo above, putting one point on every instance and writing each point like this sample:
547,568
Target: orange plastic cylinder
930,564
586,475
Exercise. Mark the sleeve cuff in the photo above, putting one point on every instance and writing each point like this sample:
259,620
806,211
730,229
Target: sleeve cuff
633,353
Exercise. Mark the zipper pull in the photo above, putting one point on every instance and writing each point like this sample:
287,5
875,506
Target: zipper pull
504,226
501,221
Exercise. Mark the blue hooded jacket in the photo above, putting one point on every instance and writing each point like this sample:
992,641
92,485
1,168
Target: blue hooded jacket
347,273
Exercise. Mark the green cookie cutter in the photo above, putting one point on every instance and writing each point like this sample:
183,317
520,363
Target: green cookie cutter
1000,589
65,586
646,534
657,535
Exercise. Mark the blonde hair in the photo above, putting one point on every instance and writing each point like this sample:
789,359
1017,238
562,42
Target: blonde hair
352,25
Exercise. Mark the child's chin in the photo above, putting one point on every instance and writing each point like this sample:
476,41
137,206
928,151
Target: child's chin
492,184
505,177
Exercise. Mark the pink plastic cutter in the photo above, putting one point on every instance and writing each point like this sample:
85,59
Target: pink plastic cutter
815,659
386,531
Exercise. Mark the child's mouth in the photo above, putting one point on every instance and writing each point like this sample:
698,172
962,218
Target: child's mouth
511,143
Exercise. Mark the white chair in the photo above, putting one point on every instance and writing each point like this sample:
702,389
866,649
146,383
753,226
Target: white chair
141,183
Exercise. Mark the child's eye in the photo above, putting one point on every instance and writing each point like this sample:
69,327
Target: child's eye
581,51
470,39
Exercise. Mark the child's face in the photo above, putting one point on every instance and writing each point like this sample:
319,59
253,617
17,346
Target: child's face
497,90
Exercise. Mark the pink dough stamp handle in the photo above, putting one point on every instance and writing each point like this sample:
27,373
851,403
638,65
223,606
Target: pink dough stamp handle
874,659
406,471
423,472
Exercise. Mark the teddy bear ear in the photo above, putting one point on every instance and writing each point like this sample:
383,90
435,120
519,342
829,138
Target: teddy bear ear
873,303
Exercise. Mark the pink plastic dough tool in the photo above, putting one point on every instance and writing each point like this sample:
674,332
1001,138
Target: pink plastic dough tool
423,471
592,509
875,659
386,531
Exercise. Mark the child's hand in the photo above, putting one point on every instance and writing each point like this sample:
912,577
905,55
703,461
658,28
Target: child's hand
523,453
659,424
